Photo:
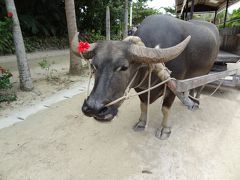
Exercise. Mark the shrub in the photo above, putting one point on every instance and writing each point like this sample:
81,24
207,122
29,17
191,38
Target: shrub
6,40
5,86
50,72
40,44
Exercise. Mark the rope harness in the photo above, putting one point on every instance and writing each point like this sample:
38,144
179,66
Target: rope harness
127,93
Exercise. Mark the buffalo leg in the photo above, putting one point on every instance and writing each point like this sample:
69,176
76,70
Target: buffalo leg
192,92
198,91
192,96
165,130
141,124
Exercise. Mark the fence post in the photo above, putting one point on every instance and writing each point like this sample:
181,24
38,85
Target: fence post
225,17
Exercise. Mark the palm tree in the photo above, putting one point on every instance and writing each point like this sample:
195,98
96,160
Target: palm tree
75,63
23,68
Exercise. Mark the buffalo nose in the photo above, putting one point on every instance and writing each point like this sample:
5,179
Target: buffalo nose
91,108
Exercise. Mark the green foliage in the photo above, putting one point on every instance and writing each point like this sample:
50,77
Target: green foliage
5,86
35,44
141,11
44,64
49,70
204,16
91,37
6,40
5,79
170,10
42,18
91,15
234,20
43,22
8,98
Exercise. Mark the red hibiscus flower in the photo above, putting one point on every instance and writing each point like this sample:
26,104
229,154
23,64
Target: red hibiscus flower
2,70
9,14
83,46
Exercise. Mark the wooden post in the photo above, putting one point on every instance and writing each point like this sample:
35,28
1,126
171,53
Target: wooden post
225,17
192,10
108,24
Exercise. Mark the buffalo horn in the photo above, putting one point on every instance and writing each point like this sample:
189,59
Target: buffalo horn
147,55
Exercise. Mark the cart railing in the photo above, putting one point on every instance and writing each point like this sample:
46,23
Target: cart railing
187,84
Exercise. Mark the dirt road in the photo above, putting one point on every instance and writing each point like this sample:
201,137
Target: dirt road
59,143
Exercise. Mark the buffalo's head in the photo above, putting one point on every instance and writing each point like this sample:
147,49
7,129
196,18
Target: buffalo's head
114,64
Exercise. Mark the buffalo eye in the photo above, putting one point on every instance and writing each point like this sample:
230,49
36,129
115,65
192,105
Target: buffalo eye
122,68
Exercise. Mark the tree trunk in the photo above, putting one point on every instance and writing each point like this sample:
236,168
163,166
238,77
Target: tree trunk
125,33
107,24
23,68
75,63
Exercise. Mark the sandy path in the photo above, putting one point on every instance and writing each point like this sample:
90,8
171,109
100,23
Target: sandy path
58,59
9,62
61,144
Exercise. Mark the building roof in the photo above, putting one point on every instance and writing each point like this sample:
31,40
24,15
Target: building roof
203,5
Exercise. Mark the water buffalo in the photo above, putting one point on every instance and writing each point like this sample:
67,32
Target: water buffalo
115,63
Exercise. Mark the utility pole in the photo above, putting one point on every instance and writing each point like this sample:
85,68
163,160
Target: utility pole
107,23
130,20
125,33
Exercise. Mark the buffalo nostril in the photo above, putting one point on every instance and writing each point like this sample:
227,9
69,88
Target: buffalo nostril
85,108
92,108
103,110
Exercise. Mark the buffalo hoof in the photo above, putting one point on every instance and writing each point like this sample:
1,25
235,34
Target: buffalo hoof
195,107
139,126
195,100
163,133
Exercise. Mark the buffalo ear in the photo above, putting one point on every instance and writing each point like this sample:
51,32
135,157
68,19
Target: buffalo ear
88,54
134,40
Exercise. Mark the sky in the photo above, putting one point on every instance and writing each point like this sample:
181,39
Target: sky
156,4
